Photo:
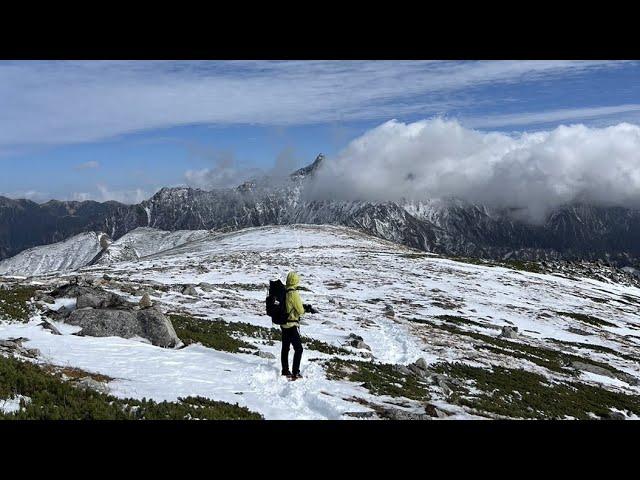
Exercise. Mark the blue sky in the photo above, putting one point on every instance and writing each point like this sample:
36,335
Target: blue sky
122,130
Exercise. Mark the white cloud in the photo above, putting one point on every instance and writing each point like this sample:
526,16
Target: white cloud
82,196
33,195
92,164
123,196
227,171
66,102
534,171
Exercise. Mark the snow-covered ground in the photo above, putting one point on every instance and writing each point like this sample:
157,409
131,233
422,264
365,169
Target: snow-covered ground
361,285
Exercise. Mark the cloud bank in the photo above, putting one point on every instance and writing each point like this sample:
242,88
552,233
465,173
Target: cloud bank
227,171
535,172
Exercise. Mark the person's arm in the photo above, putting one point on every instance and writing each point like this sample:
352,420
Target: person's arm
297,304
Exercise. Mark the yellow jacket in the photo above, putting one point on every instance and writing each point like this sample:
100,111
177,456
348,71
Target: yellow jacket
293,302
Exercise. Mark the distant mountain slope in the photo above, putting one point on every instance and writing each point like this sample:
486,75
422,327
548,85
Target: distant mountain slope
96,248
145,241
69,254
25,224
452,227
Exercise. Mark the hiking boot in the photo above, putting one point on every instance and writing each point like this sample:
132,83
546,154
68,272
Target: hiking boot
287,374
296,376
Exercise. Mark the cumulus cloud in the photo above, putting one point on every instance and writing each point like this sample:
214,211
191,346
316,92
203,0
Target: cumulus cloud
534,172
227,171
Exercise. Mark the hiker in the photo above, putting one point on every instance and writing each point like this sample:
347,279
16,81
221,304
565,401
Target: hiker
290,330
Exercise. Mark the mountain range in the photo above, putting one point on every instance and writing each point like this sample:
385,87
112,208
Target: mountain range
445,226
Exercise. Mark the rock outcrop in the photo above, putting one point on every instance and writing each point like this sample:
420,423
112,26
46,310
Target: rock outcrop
149,323
105,314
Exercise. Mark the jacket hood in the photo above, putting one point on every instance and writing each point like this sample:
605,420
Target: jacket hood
293,280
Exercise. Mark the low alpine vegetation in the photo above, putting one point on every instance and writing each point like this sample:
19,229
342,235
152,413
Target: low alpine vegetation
378,378
226,336
517,393
553,360
14,303
456,320
216,334
589,319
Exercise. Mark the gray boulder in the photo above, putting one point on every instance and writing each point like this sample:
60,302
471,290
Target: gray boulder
50,326
419,368
587,367
421,363
356,341
60,314
145,301
578,331
268,355
392,413
71,290
45,298
509,332
432,411
88,383
207,287
360,345
403,370
616,416
100,299
149,323
359,414
14,346
32,352
157,328
190,290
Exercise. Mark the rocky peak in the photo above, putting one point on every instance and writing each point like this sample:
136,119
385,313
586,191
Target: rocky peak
309,169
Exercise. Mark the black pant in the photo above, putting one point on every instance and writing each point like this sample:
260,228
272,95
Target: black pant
291,336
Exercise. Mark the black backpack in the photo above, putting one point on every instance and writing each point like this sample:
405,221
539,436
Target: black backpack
276,308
